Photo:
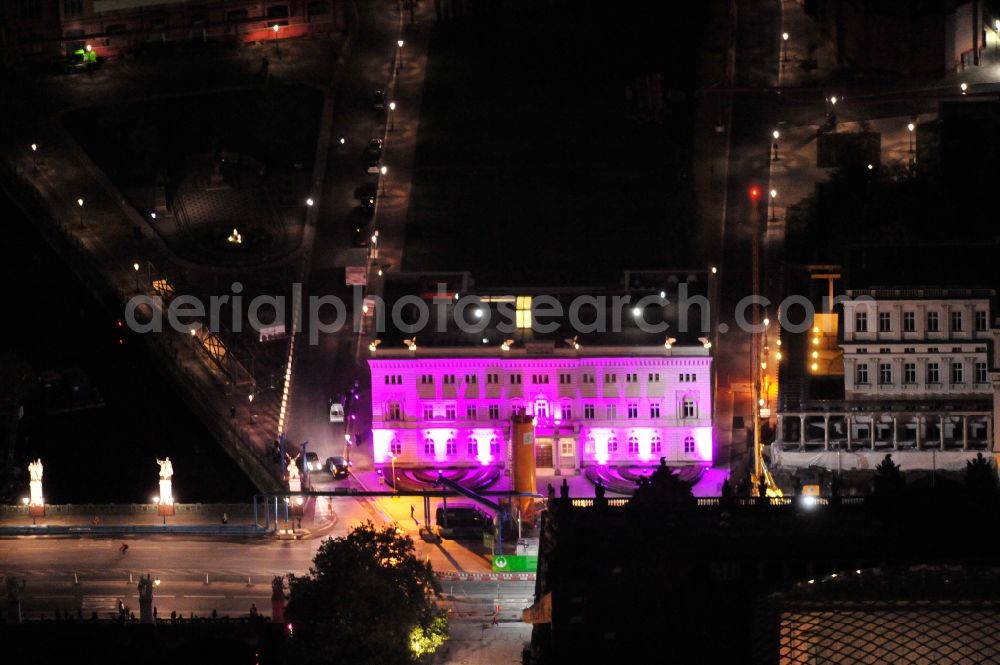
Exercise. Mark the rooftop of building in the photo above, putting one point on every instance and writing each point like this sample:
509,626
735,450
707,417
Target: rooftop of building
447,315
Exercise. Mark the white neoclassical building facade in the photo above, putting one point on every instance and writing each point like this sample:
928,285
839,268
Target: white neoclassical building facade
920,382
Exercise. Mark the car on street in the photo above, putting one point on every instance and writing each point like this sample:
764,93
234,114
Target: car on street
373,152
338,467
378,101
366,194
312,462
336,412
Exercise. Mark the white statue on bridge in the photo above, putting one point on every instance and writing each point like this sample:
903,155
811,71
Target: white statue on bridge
293,467
166,468
35,483
166,484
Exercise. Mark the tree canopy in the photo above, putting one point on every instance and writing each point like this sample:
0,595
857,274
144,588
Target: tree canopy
366,599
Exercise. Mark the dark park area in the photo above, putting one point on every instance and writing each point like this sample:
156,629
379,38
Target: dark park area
559,151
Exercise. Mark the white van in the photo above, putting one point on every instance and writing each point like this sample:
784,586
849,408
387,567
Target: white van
336,412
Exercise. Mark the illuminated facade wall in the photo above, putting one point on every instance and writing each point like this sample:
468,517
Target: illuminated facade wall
620,410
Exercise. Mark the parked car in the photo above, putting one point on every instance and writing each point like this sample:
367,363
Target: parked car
338,467
373,152
336,412
461,521
378,101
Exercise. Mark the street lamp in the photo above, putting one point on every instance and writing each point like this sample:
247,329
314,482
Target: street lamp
392,116
964,87
399,43
774,195
34,155
310,202
276,51
79,202
774,144
910,127
384,170
784,47
135,267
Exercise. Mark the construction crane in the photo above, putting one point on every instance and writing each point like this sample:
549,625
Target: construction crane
760,476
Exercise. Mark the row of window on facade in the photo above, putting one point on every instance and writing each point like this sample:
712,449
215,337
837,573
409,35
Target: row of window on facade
472,446
688,408
536,379
885,373
933,323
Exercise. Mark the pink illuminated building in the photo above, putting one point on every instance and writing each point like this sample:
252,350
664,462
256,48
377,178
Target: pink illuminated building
593,405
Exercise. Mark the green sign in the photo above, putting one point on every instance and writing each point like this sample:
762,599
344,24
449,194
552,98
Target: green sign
515,563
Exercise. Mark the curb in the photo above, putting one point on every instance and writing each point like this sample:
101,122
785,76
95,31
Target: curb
485,577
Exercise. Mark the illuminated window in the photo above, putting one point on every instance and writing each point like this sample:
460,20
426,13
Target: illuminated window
654,410
980,372
656,444
933,374
909,322
494,412
633,445
932,322
522,313
633,410
860,322
428,446
861,374
473,448
542,409
393,411
957,373
588,411
451,447
566,447
612,444
396,447
470,412
981,321
689,408
494,446
688,444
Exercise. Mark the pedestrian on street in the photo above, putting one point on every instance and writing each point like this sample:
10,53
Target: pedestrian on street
412,510
124,548
253,610
225,518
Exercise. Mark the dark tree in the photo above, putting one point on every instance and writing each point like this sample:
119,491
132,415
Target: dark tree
889,480
663,489
367,599
980,478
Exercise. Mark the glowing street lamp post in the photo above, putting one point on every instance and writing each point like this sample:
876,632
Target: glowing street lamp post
399,59
384,170
276,27
774,144
784,47
392,116
758,471
34,156
79,203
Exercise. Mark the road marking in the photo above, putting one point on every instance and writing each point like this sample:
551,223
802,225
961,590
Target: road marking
204,596
256,597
